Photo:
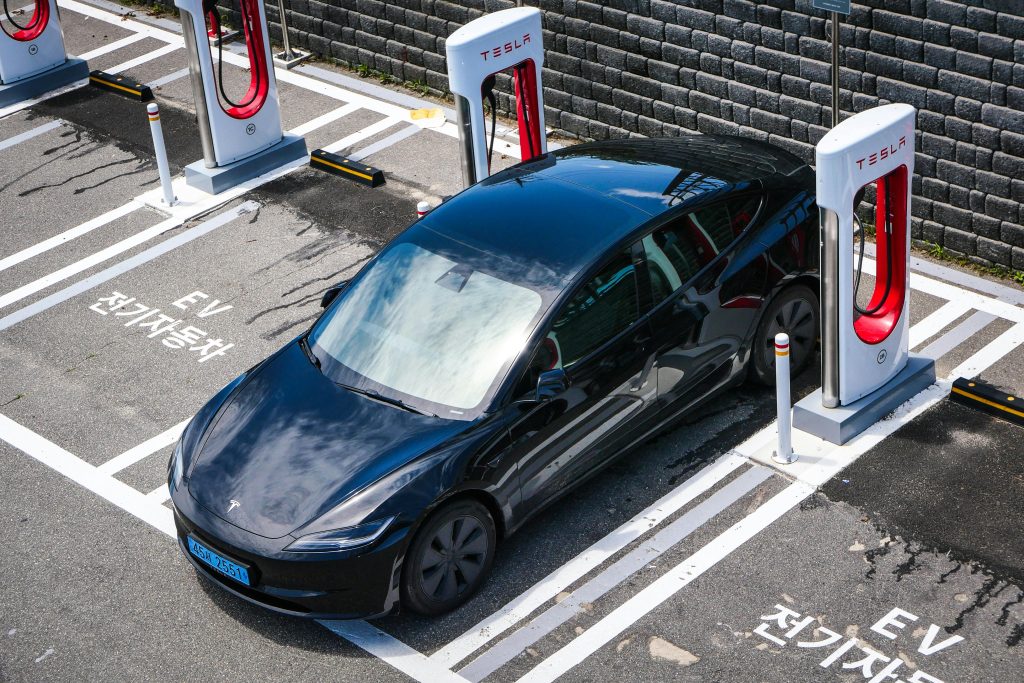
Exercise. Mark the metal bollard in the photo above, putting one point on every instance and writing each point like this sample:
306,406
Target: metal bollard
287,54
784,449
422,209
161,152
288,58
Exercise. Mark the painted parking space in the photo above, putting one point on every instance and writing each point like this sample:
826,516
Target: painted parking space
96,397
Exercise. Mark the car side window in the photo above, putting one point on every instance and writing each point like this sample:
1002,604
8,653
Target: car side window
602,308
678,250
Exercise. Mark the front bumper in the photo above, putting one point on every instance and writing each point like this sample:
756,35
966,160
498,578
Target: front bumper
310,585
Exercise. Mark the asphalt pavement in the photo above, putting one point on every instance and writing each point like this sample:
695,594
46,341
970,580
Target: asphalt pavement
895,557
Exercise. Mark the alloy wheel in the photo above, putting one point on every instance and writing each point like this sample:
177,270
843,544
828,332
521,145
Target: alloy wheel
454,558
795,318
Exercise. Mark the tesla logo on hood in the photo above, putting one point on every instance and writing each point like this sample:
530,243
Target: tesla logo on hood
234,504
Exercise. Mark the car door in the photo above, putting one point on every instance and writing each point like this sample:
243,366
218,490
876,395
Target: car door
599,339
707,279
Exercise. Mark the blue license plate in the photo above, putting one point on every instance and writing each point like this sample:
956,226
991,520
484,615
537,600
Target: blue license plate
219,562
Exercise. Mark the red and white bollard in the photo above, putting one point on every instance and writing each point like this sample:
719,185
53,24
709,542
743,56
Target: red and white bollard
784,449
422,209
161,152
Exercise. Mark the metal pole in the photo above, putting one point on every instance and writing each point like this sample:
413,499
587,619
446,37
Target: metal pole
288,54
829,264
784,450
464,112
835,69
161,152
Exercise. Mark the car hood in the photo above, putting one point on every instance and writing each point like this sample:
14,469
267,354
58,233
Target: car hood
290,444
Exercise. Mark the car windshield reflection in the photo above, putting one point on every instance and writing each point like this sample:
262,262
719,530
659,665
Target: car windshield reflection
425,329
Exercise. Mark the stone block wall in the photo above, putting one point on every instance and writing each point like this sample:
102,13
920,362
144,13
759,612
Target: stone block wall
759,69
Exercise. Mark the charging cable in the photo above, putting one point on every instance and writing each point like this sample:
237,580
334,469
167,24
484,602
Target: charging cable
211,8
888,256
37,16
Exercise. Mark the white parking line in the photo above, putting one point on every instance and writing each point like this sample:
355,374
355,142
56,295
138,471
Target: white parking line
667,585
949,292
992,352
838,458
419,667
88,262
25,104
961,278
230,56
325,119
412,663
392,139
628,565
936,321
148,57
169,78
126,265
144,449
958,335
84,474
362,134
68,235
160,495
29,134
570,572
110,47
818,469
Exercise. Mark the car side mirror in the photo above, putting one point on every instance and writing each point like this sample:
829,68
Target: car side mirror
551,383
331,294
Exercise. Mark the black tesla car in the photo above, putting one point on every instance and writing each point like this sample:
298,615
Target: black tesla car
494,355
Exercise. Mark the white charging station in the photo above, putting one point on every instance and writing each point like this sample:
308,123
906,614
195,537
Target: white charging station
509,39
241,139
33,60
867,368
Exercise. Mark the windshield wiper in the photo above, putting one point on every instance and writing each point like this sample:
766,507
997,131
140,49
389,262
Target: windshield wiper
377,396
309,352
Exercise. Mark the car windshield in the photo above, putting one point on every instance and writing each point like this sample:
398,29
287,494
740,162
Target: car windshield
425,329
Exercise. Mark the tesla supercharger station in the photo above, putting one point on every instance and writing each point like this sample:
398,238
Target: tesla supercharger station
867,368
32,56
507,40
241,138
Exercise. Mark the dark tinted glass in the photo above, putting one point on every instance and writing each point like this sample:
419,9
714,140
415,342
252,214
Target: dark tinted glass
604,307
676,252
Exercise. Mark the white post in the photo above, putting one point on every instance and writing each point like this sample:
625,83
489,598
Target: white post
422,209
784,450
161,152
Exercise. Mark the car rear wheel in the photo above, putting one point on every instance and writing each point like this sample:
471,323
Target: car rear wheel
795,312
449,559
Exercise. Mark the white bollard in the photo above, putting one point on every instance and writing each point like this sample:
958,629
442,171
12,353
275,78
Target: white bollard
161,152
422,209
784,450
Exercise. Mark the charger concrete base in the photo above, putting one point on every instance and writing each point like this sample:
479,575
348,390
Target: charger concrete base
841,424
67,73
216,180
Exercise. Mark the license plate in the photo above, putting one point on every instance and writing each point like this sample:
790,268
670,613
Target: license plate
219,562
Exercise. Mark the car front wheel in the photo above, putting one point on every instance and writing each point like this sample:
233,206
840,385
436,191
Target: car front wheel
795,312
449,559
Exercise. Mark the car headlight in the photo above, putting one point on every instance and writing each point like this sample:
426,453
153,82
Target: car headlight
175,468
341,539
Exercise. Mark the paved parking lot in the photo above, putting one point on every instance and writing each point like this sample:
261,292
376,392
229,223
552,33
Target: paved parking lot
895,557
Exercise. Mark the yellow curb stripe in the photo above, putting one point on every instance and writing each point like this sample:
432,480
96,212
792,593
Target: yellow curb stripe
115,85
987,402
341,168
